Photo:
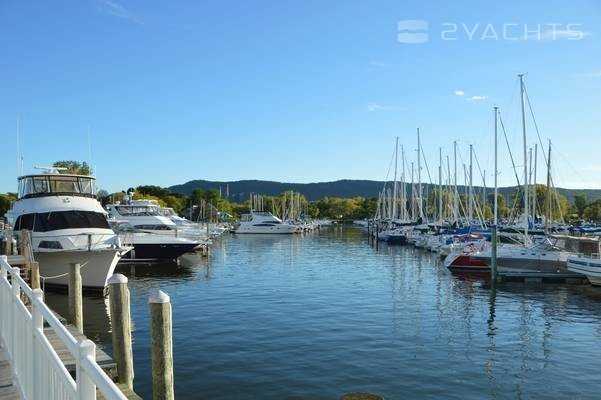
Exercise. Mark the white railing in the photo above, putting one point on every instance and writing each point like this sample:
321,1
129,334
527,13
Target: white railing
37,369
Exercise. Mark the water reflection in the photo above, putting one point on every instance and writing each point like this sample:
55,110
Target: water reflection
315,315
95,312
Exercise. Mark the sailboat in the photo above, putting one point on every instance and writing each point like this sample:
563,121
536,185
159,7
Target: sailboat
532,258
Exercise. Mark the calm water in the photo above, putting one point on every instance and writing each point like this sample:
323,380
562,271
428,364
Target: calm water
319,315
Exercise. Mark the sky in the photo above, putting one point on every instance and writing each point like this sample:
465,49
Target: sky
300,91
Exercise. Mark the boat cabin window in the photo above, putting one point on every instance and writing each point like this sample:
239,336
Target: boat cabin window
136,211
153,227
43,185
67,185
51,221
246,218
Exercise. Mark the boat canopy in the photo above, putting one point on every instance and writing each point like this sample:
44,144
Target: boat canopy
56,184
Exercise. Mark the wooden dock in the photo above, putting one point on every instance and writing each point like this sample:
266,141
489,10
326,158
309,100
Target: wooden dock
8,391
104,360
108,365
28,268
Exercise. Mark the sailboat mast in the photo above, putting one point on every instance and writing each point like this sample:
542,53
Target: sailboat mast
419,175
394,190
548,205
412,192
526,205
471,189
456,194
448,184
496,201
534,182
530,163
440,184
404,190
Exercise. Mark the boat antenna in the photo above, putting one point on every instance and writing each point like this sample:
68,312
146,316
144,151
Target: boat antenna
19,154
51,170
90,151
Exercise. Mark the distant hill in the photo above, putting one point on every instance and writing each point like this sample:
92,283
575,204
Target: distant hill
241,190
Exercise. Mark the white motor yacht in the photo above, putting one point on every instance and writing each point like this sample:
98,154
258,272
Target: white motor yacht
263,222
586,265
68,225
146,216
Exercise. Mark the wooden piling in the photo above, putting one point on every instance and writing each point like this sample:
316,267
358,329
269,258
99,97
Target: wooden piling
25,248
162,346
121,328
35,275
75,296
7,243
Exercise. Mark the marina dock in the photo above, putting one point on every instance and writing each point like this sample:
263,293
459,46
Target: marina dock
43,358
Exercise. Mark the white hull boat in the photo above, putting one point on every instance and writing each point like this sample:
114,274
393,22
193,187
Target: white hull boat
264,223
587,265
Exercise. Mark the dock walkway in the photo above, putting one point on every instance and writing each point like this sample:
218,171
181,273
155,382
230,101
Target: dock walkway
8,391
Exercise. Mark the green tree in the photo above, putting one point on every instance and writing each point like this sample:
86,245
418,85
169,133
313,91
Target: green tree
153,191
73,167
6,201
593,211
580,204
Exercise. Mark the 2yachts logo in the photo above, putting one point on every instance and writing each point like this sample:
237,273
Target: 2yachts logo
413,31
416,31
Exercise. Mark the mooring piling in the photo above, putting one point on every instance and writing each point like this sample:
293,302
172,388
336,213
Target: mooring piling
121,328
162,346
35,275
75,296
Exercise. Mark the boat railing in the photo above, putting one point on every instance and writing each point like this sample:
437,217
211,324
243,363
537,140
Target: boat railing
38,371
93,241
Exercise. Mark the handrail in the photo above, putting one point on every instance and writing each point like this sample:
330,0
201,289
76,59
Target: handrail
37,368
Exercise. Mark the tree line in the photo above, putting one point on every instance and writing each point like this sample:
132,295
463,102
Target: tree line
333,207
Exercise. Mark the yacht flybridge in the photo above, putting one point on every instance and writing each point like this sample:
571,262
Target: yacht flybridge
68,226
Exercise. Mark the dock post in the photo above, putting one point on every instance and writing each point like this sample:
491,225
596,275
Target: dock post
377,236
38,327
162,346
75,296
86,389
493,256
26,248
16,289
35,275
7,242
121,328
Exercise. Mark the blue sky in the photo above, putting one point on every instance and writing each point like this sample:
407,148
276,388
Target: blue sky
291,91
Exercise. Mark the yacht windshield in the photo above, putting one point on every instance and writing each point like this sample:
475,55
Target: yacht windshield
52,221
44,185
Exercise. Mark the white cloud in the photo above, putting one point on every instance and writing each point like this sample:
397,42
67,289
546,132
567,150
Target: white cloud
459,92
378,64
117,10
477,98
371,107
591,168
596,74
